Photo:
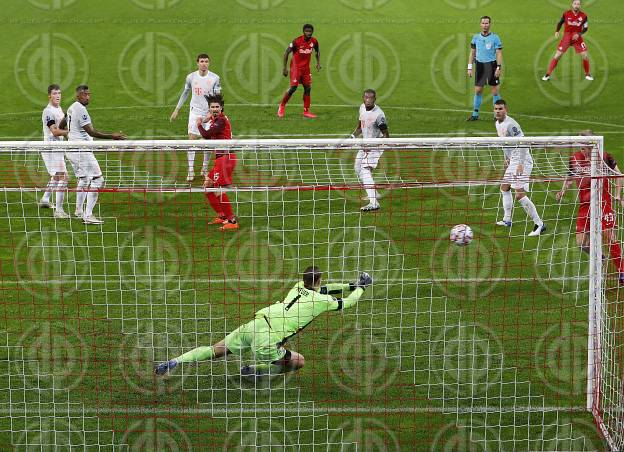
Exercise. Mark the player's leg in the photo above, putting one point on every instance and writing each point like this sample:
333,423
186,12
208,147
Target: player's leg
480,81
554,61
366,162
528,206
96,183
287,95
48,160
193,134
307,90
222,173
507,200
204,170
203,353
586,67
81,195
495,93
582,241
61,187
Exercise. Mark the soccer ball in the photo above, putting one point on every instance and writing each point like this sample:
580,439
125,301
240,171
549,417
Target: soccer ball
461,235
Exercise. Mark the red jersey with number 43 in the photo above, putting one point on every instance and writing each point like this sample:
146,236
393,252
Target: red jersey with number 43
302,51
580,167
574,22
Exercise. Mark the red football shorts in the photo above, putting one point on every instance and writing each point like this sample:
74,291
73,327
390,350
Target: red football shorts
222,170
583,221
566,43
300,75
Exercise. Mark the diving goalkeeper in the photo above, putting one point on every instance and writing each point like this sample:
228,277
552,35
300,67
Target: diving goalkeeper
273,326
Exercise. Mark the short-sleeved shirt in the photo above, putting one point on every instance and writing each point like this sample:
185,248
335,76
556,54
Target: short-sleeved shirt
580,169
297,310
486,46
51,116
372,122
510,128
77,118
302,51
574,22
200,87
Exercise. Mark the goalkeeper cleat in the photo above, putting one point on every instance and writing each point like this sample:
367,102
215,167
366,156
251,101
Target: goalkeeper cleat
281,110
190,176
45,205
309,114
61,214
229,226
538,230
219,220
505,223
546,78
92,220
370,207
163,368
589,77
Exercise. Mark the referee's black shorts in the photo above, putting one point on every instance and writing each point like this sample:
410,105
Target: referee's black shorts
485,74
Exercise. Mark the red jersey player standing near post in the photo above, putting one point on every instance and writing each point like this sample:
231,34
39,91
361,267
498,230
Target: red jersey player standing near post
574,23
580,170
219,128
301,48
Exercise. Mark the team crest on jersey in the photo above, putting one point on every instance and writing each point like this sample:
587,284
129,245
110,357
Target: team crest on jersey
84,117
488,45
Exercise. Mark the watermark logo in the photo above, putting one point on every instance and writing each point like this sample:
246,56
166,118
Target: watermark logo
150,68
364,5
476,438
466,5
261,433
259,5
363,60
51,5
365,434
156,434
155,5
49,58
253,67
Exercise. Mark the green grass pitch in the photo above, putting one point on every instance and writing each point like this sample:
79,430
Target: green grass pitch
444,334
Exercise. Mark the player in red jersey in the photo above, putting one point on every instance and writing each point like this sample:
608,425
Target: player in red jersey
301,48
575,26
580,168
219,128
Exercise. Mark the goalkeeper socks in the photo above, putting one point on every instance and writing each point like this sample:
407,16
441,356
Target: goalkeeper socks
478,99
586,66
197,354
60,194
226,205
306,102
507,204
80,194
286,98
552,66
215,203
366,177
531,211
615,251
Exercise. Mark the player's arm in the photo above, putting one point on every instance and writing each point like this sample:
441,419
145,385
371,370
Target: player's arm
103,135
337,288
318,56
471,57
559,25
57,131
383,126
63,123
619,183
217,86
287,52
214,130
358,130
338,304
569,180
182,99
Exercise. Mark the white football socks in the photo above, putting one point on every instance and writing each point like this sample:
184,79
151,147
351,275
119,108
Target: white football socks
530,209
507,204
60,194
49,189
80,194
190,158
366,177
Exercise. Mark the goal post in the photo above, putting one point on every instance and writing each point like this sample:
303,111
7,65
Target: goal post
508,342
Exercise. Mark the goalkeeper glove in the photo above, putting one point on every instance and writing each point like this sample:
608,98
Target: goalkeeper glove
364,280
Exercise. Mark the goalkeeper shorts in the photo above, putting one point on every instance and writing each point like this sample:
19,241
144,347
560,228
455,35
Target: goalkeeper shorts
256,337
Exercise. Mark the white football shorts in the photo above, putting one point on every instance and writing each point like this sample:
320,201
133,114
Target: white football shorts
192,124
518,181
84,164
367,159
54,162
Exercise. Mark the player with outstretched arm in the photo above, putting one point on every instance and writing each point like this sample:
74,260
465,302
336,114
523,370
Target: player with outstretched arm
272,327
201,84
519,164
580,172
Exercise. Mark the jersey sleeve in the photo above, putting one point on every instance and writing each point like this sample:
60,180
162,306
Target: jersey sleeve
48,119
185,92
217,86
498,44
381,122
561,22
513,130
585,26
316,45
293,45
473,42
83,117
610,161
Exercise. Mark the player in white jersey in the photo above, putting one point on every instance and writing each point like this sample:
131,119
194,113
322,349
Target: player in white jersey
51,119
519,165
202,84
371,124
86,166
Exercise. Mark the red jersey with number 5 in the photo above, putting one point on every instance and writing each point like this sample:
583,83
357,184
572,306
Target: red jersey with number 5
580,167
574,22
302,51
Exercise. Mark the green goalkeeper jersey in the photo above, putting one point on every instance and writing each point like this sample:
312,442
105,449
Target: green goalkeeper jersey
301,306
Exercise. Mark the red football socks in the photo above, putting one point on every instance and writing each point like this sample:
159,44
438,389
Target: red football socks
551,66
306,102
586,66
286,98
226,205
215,203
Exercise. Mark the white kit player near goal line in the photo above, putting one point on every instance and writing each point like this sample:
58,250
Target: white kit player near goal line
51,119
519,165
202,84
85,165
371,124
